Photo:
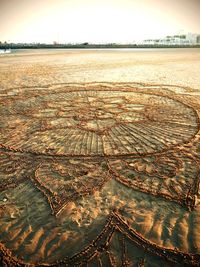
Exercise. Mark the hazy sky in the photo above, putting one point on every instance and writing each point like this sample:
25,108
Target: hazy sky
95,20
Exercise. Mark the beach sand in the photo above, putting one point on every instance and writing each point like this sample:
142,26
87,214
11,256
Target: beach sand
101,149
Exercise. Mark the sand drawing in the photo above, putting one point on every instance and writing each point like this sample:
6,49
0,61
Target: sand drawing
72,149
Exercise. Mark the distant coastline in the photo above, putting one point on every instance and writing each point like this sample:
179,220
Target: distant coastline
90,46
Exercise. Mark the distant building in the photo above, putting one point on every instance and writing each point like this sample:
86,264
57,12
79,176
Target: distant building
183,39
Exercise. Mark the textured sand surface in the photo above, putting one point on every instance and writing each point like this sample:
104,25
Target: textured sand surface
100,158
40,67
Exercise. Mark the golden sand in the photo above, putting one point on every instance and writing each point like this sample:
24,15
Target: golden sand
99,158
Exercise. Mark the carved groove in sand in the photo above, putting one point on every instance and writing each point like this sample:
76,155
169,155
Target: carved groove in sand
71,141
96,123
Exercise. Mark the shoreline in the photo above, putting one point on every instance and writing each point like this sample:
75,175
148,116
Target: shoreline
98,46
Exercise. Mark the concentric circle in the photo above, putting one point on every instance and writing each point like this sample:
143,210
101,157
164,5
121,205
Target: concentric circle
95,122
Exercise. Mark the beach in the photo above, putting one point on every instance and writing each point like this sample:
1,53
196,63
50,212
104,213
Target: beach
40,67
99,157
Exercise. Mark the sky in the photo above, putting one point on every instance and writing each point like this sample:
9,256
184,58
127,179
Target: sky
96,21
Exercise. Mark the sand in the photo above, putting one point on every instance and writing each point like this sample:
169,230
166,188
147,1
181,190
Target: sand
100,149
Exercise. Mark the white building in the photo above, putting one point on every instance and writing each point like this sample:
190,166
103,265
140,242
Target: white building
183,39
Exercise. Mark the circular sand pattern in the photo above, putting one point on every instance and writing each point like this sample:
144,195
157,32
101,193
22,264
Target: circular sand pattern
93,122
101,206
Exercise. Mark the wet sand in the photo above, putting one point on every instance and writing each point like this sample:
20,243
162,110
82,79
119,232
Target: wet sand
100,148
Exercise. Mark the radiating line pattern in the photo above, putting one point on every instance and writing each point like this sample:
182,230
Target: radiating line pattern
66,149
95,123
